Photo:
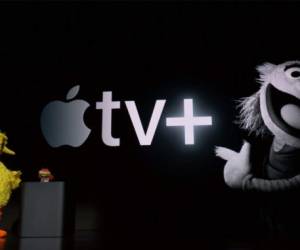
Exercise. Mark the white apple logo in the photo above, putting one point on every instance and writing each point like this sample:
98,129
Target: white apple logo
62,122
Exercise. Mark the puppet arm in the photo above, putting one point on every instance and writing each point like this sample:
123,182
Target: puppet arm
264,185
237,173
238,165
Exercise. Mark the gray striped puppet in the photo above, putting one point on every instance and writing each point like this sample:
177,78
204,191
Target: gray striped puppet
274,110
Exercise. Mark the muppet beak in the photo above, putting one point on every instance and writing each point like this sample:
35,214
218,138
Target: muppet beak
6,150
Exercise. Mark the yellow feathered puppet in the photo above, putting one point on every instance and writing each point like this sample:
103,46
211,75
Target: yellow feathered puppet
9,180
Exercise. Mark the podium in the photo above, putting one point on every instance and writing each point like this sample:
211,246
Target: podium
41,244
46,210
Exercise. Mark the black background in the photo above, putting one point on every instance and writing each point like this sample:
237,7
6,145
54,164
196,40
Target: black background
141,52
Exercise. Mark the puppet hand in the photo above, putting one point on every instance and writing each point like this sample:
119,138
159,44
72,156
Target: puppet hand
238,164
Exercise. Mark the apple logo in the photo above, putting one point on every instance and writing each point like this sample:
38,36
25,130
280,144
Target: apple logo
62,123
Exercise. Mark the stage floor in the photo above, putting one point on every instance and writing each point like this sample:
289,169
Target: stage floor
88,240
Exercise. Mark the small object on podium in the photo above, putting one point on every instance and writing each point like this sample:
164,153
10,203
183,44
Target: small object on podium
45,175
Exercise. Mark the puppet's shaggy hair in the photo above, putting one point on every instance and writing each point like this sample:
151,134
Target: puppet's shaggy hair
250,117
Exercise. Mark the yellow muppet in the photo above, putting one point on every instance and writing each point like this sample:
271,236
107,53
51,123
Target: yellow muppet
9,180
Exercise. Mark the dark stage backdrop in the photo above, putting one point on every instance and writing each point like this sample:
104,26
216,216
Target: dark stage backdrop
141,52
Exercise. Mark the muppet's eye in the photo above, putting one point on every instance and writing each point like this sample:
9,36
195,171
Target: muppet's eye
293,73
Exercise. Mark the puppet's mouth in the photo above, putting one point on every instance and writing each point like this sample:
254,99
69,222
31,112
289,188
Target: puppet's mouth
284,110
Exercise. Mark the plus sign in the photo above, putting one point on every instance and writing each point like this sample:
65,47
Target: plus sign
188,121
